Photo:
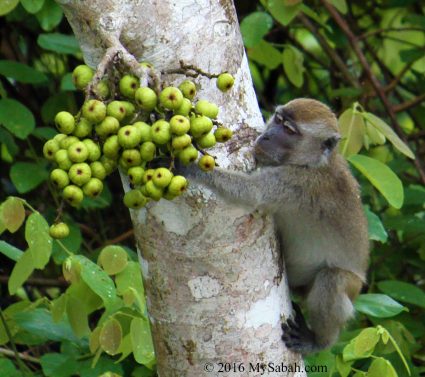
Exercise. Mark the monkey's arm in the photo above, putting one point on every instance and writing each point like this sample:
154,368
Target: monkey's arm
249,189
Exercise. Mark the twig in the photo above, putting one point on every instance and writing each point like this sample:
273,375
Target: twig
129,233
410,103
372,78
389,29
185,69
39,281
329,50
24,369
9,353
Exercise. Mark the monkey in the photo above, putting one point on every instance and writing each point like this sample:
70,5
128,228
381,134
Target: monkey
306,185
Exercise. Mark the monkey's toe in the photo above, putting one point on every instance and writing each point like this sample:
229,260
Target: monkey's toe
296,334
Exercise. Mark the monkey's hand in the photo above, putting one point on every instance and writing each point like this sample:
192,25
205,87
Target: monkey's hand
296,334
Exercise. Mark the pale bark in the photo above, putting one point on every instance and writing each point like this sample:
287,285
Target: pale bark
214,288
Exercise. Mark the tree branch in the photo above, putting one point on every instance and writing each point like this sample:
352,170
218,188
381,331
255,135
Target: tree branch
410,103
329,50
372,78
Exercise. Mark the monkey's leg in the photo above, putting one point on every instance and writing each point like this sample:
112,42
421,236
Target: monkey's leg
329,304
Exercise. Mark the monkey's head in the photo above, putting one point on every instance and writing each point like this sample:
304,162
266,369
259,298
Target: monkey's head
303,132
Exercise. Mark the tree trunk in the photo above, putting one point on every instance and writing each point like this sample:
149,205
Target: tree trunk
215,291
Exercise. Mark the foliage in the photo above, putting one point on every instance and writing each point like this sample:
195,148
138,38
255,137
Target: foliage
365,59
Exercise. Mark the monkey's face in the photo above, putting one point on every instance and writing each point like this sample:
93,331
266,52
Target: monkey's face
303,132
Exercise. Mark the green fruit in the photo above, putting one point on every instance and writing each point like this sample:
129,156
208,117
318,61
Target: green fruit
160,132
129,109
206,141
79,173
143,191
122,163
102,89
94,111
83,128
184,108
180,142
206,108
62,159
98,170
134,199
128,86
59,137
162,177
225,82
200,126
179,125
93,188
135,174
81,76
129,136
66,142
206,163
113,260
108,126
116,109
73,195
188,88
145,131
168,196
65,122
109,164
171,98
59,231
132,157
50,148
111,147
188,155
147,151
223,134
59,178
148,175
146,98
153,191
178,185
147,65
78,152
93,148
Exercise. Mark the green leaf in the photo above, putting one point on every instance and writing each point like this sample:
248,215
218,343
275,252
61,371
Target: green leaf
10,251
98,280
16,117
32,6
388,132
21,272
404,292
67,84
352,130
142,341
265,54
254,27
39,240
281,12
21,72
343,367
7,6
77,317
13,214
45,133
293,61
59,365
50,15
381,367
378,305
341,5
27,175
58,102
39,322
113,259
382,177
8,140
60,43
376,229
110,336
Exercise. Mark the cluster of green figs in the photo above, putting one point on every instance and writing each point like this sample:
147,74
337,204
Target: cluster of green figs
132,129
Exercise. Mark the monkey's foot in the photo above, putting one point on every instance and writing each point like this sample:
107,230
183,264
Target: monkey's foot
296,334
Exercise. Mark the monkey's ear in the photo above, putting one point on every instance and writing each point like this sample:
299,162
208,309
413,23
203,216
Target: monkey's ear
331,142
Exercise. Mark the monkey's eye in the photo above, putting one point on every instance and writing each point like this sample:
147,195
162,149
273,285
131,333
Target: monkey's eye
289,128
278,118
330,143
